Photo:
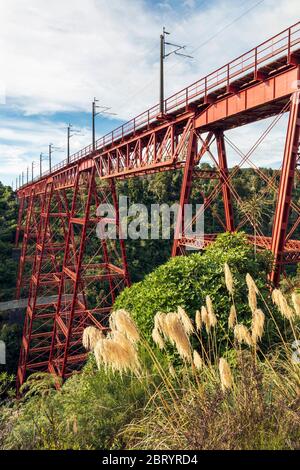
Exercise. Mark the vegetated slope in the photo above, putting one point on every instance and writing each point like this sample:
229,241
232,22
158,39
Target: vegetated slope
185,282
10,332
168,402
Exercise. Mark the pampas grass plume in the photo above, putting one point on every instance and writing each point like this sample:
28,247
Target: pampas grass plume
178,335
120,320
252,291
241,333
251,283
257,327
280,301
198,320
296,303
160,323
90,337
205,318
186,321
211,314
232,319
157,338
225,375
118,353
228,279
197,360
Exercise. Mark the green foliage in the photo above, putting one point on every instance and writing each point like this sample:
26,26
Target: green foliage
7,383
104,410
11,335
186,281
8,266
86,413
93,407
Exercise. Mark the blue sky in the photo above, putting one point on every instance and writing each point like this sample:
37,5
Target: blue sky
56,56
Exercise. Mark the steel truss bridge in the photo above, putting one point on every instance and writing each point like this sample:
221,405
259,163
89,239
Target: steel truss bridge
57,211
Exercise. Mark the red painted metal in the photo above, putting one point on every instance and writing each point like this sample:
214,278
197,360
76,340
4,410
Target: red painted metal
73,311
260,63
191,158
32,346
256,85
20,218
228,209
285,187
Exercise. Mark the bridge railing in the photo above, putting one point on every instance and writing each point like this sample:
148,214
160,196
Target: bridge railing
278,46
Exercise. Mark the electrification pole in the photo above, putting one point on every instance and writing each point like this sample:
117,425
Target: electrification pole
68,144
104,110
93,123
41,158
70,133
163,55
50,157
51,150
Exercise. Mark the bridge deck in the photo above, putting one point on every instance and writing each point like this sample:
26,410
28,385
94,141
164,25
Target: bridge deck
269,59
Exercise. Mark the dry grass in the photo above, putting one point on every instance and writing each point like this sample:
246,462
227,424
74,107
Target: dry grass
257,327
232,319
241,400
242,334
225,375
90,337
228,279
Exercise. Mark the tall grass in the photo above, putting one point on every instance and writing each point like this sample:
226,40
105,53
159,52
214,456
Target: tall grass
248,398
197,383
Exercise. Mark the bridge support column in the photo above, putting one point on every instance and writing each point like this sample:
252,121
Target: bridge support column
222,160
93,272
35,344
193,157
285,188
27,235
20,218
185,193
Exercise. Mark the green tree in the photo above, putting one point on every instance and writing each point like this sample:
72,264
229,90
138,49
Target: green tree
186,281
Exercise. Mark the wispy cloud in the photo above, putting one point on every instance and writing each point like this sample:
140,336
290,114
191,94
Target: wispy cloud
55,56
22,140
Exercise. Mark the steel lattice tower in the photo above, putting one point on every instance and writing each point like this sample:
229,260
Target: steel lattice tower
58,212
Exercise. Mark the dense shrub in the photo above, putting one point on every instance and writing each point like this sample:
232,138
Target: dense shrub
166,404
186,281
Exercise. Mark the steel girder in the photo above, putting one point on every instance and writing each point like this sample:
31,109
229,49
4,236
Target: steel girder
284,198
64,202
64,269
99,272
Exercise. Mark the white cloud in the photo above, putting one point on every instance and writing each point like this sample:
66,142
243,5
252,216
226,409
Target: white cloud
55,56
190,3
29,137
